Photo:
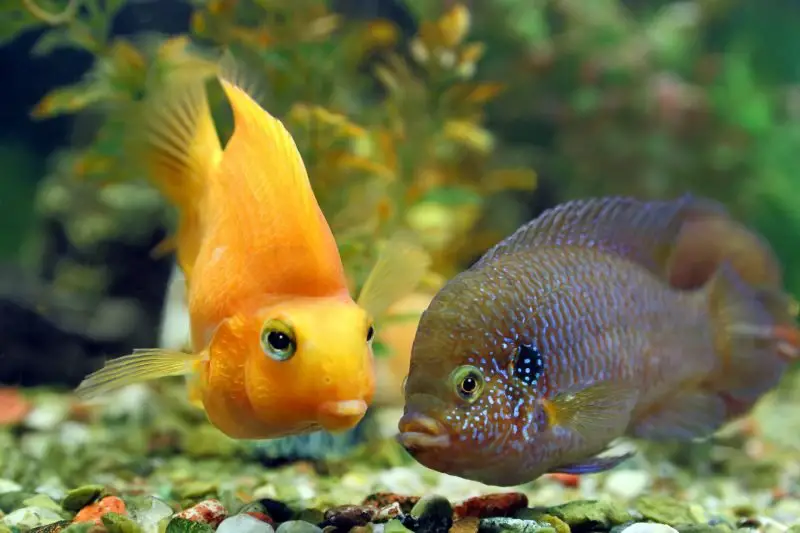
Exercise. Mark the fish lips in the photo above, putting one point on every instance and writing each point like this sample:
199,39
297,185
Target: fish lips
341,415
419,432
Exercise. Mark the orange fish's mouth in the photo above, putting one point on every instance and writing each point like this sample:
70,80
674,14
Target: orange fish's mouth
341,415
419,432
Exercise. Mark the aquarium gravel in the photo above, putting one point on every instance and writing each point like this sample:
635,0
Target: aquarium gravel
146,461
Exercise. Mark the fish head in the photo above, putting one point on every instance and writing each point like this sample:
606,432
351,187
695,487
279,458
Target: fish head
307,365
467,412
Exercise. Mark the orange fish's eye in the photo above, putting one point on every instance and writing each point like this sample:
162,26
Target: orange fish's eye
468,382
370,333
278,340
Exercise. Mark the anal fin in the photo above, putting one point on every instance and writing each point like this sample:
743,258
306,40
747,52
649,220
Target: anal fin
593,465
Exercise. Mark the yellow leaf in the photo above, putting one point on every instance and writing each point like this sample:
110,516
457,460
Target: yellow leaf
471,54
484,92
323,26
387,78
430,35
469,134
126,56
198,23
522,179
454,25
381,33
360,163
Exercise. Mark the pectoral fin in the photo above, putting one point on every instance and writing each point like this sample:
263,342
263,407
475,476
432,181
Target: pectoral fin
141,365
399,268
599,411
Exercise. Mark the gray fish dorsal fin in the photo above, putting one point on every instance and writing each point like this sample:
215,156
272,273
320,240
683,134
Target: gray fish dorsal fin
645,232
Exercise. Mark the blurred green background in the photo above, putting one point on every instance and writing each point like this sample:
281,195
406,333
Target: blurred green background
457,120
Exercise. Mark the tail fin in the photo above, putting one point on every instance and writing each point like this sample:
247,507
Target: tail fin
178,144
711,237
755,335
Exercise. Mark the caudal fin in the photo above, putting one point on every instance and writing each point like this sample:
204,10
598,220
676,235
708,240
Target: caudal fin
755,336
176,141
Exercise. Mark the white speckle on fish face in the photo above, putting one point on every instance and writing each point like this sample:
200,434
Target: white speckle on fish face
216,255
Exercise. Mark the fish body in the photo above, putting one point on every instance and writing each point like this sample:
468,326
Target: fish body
279,347
601,318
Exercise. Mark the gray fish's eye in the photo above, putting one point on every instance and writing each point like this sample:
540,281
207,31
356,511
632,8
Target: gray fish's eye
468,382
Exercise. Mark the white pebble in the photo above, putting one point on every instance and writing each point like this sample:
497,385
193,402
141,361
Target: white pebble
645,527
47,416
6,485
244,523
149,513
30,517
627,484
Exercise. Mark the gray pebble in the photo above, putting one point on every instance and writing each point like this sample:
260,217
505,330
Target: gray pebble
244,523
298,526
513,525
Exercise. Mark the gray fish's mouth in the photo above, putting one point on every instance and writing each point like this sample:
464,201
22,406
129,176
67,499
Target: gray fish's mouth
420,432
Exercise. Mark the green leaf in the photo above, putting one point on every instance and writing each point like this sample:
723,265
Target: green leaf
380,349
452,196
52,40
68,99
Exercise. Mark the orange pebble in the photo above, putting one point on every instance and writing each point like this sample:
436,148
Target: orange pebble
568,480
93,512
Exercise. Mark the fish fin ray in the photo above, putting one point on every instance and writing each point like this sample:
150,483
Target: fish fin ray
682,417
601,409
140,366
643,232
593,465
400,267
755,334
266,157
179,147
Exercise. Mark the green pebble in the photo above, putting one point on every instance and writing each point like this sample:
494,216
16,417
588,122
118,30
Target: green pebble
197,490
704,528
532,514
665,510
393,526
314,516
117,523
513,525
206,441
78,498
11,501
589,513
82,527
43,501
433,513
297,526
181,525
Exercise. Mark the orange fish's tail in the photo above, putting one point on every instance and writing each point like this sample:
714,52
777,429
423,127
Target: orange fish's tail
755,336
177,142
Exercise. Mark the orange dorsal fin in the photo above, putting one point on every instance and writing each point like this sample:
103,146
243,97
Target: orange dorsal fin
277,213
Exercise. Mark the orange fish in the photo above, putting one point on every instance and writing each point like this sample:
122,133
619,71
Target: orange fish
601,318
279,346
